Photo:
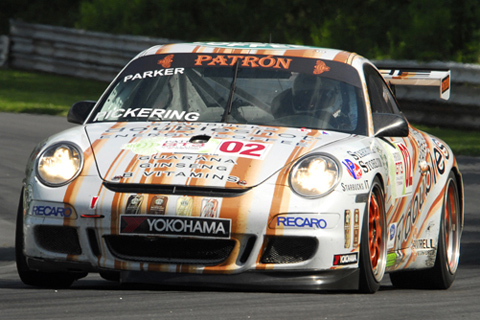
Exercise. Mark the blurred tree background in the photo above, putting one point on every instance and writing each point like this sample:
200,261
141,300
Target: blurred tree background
446,30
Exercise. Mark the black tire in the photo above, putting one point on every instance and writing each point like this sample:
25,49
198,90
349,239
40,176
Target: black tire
442,275
30,277
110,275
373,249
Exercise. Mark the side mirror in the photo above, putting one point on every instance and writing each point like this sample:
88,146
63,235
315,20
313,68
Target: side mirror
390,125
79,111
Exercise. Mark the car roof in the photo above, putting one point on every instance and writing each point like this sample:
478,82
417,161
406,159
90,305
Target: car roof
253,48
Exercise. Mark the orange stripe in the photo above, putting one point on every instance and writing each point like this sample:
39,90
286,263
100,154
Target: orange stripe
74,187
234,209
164,49
342,57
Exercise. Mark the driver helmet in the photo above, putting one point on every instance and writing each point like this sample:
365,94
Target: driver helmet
312,93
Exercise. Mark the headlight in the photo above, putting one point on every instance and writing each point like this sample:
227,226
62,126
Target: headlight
314,176
59,164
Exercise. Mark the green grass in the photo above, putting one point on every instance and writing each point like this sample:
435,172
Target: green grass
462,142
30,92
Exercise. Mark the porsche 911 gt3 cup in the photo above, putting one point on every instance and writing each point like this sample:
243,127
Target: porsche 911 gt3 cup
244,165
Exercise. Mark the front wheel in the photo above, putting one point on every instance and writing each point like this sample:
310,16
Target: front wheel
373,249
442,275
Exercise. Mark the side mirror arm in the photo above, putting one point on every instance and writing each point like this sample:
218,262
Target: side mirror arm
79,111
390,125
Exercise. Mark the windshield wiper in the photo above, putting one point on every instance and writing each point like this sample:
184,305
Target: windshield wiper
228,107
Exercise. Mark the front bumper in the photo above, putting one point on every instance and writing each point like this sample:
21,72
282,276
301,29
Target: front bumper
344,279
292,249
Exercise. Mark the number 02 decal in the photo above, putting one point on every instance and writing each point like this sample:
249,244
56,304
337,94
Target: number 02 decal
242,149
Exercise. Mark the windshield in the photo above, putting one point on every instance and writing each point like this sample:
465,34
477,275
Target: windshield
240,89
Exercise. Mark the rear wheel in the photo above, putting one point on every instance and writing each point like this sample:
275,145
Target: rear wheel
373,250
32,277
442,275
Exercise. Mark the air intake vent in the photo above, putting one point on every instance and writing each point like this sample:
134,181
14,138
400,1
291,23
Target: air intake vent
282,250
58,239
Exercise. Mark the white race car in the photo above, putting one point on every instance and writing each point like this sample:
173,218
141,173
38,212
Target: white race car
244,165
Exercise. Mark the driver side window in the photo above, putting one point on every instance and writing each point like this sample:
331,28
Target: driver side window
381,98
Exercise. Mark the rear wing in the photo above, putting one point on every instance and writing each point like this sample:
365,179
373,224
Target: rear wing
419,78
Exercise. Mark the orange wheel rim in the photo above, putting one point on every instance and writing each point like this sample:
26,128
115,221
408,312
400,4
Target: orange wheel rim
452,231
375,231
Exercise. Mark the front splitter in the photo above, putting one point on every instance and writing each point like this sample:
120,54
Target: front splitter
346,279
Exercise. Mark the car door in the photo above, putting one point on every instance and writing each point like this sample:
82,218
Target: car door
402,154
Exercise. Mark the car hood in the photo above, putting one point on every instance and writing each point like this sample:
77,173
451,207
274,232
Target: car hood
198,154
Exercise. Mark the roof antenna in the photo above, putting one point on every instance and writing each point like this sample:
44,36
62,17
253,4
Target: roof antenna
270,37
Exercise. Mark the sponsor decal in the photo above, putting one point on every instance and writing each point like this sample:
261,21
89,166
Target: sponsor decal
195,158
370,165
347,228
242,149
301,222
224,131
305,221
191,175
244,61
184,206
422,144
440,155
399,168
320,67
93,202
391,235
210,208
445,84
158,205
163,145
343,259
407,160
133,204
383,157
52,211
167,61
146,113
153,74
361,186
439,161
253,150
423,244
178,226
428,253
359,154
399,176
427,180
391,231
356,228
251,45
353,169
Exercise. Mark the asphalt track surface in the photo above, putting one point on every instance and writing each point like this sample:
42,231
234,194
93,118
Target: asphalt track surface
95,298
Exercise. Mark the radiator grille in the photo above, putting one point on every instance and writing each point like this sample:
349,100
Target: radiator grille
170,250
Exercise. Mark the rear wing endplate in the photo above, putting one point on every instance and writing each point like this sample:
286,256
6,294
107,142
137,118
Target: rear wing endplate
419,78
